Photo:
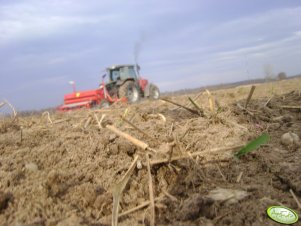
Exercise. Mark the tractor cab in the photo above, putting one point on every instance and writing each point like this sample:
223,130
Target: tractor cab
123,73
124,81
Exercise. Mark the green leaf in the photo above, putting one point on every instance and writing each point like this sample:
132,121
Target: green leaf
253,145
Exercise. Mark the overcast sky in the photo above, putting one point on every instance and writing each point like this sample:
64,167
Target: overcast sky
179,44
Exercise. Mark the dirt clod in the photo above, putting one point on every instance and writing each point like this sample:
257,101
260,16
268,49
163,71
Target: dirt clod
196,206
5,198
56,183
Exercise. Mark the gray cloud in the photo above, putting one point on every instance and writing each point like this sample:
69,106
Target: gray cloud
44,44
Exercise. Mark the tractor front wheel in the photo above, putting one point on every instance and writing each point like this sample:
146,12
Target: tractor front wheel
129,90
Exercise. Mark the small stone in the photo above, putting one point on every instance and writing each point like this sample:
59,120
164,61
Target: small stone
229,196
290,139
31,167
112,137
139,165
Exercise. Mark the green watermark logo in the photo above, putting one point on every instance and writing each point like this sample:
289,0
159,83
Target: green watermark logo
282,214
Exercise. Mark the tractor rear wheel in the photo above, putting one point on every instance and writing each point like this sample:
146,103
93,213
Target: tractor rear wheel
154,92
129,90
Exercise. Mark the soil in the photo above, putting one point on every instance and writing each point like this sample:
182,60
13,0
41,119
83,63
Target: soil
61,170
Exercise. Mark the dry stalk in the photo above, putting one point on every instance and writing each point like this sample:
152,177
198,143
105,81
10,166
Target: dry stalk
126,112
239,177
48,116
217,103
178,144
156,116
171,149
162,117
126,136
11,107
245,110
87,122
211,102
212,151
102,118
271,201
102,110
135,127
144,216
171,129
194,99
268,101
142,205
78,124
118,189
131,119
21,134
185,133
250,96
290,107
221,173
99,121
193,142
170,196
151,192
2,104
221,216
196,106
295,198
61,120
182,106
235,124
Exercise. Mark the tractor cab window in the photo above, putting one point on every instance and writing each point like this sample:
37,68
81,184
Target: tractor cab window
128,72
114,75
123,73
132,72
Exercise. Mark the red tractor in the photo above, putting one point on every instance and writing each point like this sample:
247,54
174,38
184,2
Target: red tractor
125,84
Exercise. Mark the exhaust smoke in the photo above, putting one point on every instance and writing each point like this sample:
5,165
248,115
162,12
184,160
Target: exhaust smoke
137,50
